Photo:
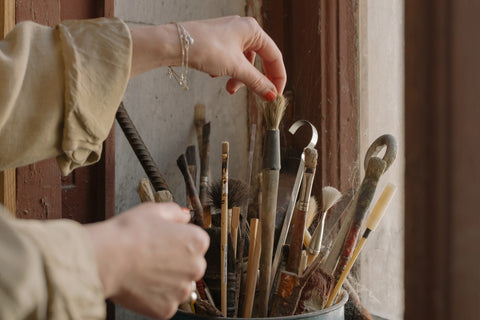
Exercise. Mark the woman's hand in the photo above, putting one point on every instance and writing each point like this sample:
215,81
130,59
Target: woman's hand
222,47
149,256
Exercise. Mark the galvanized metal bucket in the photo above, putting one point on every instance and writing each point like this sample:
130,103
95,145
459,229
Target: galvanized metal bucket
335,312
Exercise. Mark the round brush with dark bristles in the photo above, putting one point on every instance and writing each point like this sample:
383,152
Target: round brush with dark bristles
237,193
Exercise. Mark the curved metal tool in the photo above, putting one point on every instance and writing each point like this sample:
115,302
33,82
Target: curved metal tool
293,198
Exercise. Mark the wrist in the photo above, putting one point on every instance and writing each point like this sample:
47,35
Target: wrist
154,47
109,253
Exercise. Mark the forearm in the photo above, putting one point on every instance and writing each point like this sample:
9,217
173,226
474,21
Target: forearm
154,47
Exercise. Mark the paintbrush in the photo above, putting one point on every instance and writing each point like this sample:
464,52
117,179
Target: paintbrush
145,191
234,228
224,228
311,215
212,275
375,168
333,219
205,173
273,113
192,167
191,191
243,221
199,121
252,268
301,208
237,195
205,164
372,223
330,196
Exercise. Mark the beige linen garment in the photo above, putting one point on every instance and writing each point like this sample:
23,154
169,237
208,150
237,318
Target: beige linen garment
59,91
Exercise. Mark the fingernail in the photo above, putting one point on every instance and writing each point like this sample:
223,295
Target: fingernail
270,96
212,76
186,210
232,91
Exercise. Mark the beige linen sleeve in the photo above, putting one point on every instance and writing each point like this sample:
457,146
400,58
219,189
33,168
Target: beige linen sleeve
48,271
59,90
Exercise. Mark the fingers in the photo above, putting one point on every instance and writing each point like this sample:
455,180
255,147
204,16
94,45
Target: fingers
266,85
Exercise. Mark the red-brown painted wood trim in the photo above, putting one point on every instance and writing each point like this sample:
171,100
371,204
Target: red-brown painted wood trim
319,41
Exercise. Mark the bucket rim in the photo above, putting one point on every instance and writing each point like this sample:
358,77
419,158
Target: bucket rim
334,307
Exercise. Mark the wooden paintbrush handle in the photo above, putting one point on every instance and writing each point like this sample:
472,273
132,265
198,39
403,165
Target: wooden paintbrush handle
224,228
234,228
191,190
205,164
145,191
375,169
267,220
252,268
296,243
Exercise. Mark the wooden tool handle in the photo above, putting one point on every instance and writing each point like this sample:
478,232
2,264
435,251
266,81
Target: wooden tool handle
234,228
252,268
224,228
372,222
145,191
191,190
205,164
296,243
375,169
267,219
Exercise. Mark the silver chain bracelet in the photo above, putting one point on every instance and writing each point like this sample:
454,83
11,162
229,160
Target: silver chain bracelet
186,41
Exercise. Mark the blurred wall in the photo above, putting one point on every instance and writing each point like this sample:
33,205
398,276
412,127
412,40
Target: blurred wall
382,111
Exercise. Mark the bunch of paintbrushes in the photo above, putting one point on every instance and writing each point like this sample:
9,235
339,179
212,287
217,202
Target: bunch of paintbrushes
317,245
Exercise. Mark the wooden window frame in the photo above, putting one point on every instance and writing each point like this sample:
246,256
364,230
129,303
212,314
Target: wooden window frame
323,82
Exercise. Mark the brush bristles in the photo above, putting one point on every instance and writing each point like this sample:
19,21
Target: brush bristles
330,196
237,193
273,112
311,157
199,114
225,147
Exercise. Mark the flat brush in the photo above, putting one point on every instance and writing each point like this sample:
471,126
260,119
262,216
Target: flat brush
330,196
273,113
372,223
191,190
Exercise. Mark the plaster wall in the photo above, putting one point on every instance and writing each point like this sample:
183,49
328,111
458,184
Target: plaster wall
382,111
163,112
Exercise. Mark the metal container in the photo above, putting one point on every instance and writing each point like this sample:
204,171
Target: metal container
335,312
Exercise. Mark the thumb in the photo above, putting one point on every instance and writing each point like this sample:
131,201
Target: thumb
255,80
